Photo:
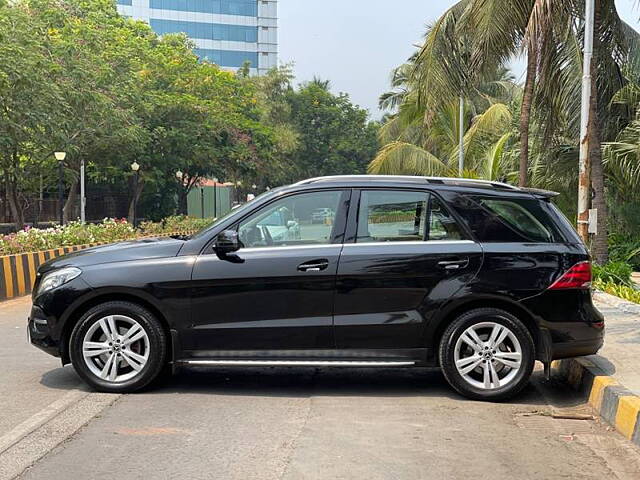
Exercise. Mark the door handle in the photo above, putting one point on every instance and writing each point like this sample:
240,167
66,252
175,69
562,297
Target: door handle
454,264
314,265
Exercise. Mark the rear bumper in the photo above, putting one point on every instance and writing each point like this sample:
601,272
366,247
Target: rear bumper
576,348
570,324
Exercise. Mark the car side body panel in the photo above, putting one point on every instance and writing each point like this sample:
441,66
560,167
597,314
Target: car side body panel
372,301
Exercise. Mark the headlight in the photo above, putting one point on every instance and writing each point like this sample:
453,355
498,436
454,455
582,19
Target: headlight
58,277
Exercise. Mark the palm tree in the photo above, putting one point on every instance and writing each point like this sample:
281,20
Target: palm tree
412,150
550,33
437,119
392,99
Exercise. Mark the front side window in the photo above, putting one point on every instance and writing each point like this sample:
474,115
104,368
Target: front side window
304,219
395,216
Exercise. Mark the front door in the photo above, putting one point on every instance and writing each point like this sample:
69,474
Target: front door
277,293
405,256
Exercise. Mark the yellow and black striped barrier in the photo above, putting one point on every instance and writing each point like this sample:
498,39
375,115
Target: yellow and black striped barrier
616,404
18,271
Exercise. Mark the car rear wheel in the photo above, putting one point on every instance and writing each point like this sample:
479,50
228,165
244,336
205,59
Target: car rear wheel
487,354
118,347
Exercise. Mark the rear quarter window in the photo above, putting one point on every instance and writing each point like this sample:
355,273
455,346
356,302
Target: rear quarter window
510,220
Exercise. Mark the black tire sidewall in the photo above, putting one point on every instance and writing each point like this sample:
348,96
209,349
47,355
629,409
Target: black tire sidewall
157,346
447,353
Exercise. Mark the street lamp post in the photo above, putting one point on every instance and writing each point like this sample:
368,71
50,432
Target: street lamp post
179,176
60,156
215,198
136,169
83,199
202,201
584,165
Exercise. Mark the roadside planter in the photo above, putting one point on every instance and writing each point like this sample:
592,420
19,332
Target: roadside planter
18,271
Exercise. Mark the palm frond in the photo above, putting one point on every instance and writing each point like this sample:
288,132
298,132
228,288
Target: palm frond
400,158
493,159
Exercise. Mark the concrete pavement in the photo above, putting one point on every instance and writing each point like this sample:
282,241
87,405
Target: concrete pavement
29,379
294,424
620,356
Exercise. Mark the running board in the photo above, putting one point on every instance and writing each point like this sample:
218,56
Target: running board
296,363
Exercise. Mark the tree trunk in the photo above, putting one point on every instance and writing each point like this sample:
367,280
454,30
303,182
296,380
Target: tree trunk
136,188
14,203
182,201
525,113
69,211
599,246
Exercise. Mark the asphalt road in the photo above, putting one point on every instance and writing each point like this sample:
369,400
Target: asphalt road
287,424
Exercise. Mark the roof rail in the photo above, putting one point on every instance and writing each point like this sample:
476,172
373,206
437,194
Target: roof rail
453,180
441,180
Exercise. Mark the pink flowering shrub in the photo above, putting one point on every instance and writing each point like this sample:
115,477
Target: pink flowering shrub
76,233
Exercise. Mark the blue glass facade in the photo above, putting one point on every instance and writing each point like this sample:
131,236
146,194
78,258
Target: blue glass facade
228,58
209,31
226,32
247,8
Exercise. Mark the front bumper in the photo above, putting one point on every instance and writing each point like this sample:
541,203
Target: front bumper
40,332
50,312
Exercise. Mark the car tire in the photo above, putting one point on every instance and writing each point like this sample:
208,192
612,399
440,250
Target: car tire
118,347
477,365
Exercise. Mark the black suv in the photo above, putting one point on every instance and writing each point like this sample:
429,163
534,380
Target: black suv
479,278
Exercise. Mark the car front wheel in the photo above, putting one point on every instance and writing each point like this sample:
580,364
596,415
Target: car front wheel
487,354
118,347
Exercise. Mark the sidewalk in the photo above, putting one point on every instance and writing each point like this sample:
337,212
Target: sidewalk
620,356
610,380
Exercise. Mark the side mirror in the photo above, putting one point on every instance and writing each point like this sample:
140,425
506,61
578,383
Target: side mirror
291,223
227,242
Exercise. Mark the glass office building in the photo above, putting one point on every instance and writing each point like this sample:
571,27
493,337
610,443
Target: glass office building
226,32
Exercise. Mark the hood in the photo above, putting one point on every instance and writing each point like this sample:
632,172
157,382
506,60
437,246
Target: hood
117,252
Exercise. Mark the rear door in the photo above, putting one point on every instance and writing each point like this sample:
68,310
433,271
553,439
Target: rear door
404,255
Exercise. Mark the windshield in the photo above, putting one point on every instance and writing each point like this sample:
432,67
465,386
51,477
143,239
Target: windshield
238,210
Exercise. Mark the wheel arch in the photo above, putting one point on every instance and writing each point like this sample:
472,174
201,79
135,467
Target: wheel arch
450,312
99,297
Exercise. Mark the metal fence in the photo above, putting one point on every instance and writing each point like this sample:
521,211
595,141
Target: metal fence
38,211
209,202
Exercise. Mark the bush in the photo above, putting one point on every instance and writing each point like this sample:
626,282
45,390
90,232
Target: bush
615,278
613,272
623,291
76,233
624,248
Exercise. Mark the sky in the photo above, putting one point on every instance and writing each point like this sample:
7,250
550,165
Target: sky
356,43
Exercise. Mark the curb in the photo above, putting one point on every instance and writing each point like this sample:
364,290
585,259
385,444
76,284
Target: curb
616,302
18,271
616,404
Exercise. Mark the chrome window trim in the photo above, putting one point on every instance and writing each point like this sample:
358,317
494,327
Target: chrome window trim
425,242
288,247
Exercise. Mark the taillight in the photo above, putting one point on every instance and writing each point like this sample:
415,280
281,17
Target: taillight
578,276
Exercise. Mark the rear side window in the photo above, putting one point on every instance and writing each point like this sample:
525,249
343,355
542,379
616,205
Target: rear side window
396,216
392,216
518,220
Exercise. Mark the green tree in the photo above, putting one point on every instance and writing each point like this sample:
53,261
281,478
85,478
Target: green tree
335,136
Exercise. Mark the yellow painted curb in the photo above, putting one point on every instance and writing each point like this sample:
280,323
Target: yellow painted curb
627,415
597,390
615,404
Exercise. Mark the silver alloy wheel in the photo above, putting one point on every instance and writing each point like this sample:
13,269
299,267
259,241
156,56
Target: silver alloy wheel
116,348
488,355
